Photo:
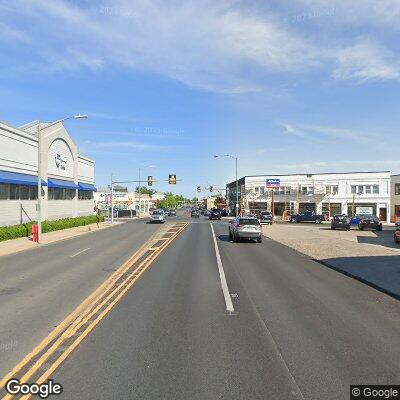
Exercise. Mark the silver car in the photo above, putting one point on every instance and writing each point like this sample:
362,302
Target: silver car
245,228
157,216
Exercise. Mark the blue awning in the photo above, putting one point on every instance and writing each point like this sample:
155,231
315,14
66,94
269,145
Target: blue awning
19,179
87,186
58,183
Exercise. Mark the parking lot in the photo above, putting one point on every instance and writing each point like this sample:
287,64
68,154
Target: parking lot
368,255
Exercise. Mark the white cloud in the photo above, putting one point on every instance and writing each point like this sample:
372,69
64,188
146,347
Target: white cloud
367,61
225,46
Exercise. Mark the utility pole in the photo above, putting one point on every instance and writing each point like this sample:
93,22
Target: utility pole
112,200
139,210
39,218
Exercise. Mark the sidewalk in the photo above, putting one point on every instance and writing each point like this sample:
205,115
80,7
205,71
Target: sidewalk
26,243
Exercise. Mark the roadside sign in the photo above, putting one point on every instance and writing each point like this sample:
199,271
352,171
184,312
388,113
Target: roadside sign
273,183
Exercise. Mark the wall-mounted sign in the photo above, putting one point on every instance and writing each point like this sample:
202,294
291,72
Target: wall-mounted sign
61,162
364,210
273,183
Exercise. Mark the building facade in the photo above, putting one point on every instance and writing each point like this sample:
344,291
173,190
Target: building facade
123,201
67,177
330,193
395,198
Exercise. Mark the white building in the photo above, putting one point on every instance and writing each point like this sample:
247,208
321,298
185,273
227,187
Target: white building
68,177
330,193
395,198
124,201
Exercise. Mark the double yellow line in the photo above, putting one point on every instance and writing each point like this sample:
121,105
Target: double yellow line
66,337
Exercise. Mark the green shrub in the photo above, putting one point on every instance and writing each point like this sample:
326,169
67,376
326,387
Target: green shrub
24,230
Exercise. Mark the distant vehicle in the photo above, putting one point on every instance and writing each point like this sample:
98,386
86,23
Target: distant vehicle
355,219
214,214
206,213
245,228
223,212
157,216
195,214
396,235
370,222
307,216
172,213
265,217
340,222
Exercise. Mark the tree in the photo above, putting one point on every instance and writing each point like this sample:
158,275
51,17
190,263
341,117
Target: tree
144,190
171,201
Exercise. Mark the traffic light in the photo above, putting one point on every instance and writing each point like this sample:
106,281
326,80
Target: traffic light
211,189
149,180
199,189
172,180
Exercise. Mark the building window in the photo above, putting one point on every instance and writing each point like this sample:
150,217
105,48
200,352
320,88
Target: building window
335,189
353,189
397,189
24,192
85,195
367,189
33,192
61,194
262,190
14,192
4,191
257,190
375,189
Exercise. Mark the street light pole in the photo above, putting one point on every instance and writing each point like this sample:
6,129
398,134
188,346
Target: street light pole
39,135
140,195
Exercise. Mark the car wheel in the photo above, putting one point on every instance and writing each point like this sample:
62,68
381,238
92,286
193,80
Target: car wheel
318,221
332,228
348,229
230,234
293,220
360,228
259,240
379,228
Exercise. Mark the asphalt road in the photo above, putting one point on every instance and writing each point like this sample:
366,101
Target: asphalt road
299,330
40,287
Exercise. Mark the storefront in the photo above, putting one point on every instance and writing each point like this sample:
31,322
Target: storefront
67,177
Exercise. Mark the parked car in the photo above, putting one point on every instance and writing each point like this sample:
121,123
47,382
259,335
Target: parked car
223,212
157,216
206,213
245,228
340,222
355,219
396,235
214,214
370,222
195,214
265,217
307,216
172,213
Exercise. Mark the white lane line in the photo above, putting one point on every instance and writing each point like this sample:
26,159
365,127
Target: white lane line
80,252
225,290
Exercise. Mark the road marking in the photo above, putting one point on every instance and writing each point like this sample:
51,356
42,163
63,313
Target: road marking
85,317
225,290
80,252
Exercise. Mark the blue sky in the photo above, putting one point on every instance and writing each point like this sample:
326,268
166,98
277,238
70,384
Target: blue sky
289,86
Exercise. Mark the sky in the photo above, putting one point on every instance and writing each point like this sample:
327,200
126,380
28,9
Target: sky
287,86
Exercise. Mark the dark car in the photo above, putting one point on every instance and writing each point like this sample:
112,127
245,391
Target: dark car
370,222
265,217
396,235
307,216
214,214
195,214
340,222
223,212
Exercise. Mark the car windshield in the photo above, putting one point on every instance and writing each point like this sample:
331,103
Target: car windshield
158,212
248,221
